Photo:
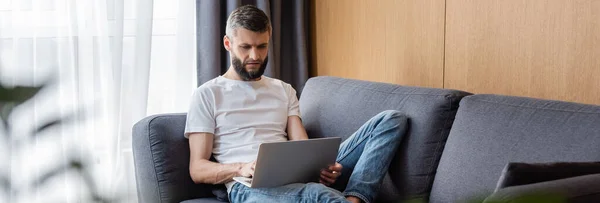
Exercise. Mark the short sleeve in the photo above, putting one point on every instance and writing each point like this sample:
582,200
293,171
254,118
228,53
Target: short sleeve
293,106
200,116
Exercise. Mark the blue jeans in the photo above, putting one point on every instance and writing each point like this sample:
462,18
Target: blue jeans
365,157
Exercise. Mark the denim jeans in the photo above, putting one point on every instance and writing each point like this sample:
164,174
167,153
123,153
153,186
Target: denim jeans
365,157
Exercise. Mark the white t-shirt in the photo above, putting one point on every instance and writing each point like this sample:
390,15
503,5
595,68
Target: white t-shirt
241,115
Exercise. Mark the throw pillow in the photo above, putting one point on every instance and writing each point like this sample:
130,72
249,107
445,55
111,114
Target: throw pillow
528,173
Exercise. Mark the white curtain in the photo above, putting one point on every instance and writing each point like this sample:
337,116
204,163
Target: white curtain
110,63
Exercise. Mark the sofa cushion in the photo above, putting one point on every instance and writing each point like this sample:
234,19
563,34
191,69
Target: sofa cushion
490,131
333,106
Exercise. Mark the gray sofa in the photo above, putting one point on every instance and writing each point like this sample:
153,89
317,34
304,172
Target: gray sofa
449,154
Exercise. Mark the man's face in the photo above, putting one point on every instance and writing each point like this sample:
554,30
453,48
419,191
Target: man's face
249,51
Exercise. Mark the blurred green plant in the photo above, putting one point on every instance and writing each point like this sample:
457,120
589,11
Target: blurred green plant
10,99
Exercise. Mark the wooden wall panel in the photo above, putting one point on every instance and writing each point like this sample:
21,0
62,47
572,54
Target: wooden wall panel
536,48
394,41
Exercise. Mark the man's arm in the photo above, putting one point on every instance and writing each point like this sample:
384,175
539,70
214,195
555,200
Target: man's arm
295,129
202,170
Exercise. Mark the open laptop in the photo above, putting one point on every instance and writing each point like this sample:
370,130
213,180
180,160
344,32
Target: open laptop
281,163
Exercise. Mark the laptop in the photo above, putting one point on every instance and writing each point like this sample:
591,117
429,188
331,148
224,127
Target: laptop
282,163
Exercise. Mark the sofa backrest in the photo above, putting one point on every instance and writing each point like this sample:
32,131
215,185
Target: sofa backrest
337,107
490,130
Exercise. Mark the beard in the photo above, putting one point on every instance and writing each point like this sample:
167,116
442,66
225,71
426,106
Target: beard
240,69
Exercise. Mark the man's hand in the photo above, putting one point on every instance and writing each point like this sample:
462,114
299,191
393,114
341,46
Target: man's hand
247,169
330,175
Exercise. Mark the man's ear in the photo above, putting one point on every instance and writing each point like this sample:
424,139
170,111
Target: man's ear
227,43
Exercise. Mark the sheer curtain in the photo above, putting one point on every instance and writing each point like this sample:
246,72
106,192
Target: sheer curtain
109,63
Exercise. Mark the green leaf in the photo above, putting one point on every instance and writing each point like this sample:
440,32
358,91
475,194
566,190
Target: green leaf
13,97
18,94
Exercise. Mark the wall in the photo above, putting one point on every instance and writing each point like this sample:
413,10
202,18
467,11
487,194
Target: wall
384,40
544,48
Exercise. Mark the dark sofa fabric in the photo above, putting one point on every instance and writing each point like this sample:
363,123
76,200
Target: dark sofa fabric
337,107
330,107
527,173
579,189
162,155
491,130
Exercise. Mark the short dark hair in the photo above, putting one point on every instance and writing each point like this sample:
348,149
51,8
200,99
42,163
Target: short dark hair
248,17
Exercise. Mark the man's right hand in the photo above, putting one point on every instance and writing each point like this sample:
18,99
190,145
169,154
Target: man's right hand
247,169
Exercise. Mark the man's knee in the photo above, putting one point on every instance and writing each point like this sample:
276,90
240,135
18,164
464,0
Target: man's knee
392,119
391,115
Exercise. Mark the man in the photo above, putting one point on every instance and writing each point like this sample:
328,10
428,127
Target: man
232,114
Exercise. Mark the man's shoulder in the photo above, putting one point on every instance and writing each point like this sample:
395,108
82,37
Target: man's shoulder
208,88
211,84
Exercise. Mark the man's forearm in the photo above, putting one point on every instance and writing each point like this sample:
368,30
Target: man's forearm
205,171
295,129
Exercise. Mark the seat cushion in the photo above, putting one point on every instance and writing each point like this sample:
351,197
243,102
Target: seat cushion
491,130
337,107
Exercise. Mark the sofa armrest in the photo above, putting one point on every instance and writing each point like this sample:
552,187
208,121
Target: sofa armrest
161,159
584,188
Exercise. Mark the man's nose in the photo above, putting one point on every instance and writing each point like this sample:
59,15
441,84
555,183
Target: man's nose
254,54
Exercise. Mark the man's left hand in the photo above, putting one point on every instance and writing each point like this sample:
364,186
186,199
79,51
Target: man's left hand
330,174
